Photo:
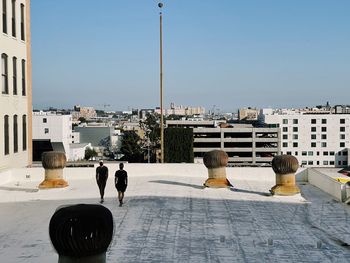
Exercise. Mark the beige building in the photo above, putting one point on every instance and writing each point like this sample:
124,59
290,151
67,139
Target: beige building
15,85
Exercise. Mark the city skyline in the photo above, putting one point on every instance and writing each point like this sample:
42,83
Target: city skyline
230,54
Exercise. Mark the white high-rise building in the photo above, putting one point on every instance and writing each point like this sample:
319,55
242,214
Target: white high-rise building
15,85
316,138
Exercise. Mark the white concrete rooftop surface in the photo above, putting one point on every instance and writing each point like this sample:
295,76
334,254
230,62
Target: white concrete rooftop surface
169,217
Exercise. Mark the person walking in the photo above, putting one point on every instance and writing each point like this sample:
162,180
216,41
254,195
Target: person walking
121,182
101,179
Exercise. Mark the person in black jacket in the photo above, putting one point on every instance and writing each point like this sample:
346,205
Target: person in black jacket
121,182
101,179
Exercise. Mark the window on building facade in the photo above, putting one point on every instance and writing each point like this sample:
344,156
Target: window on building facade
296,153
14,78
285,144
310,153
342,144
4,74
285,129
313,129
345,153
324,121
295,121
303,162
324,136
44,120
285,121
318,153
325,162
342,121
313,121
295,144
324,129
325,153
24,132
46,130
289,153
342,129
331,162
323,144
310,162
13,18
23,77
22,23
295,136
285,136
15,133
318,162
342,136
4,17
345,162
313,144
313,136
304,153
295,129
6,135
331,153
339,162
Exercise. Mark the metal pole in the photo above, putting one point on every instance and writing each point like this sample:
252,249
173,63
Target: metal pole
160,5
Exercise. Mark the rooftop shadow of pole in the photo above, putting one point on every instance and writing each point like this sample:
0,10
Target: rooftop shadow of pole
250,192
177,183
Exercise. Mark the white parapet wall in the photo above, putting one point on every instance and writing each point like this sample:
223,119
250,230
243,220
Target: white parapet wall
327,184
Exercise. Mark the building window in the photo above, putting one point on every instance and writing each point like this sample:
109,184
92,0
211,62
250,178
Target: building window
289,153
313,136
24,132
285,129
342,121
313,129
285,137
310,162
14,63
313,144
331,162
14,18
295,129
339,162
313,121
4,75
285,121
22,22
324,136
325,162
325,153
323,144
324,129
23,77
44,120
303,153
15,133
46,130
318,162
342,129
345,153
285,144
342,144
342,136
6,135
295,144
331,153
295,121
303,162
296,153
295,136
4,16
345,162
310,153
318,153
324,121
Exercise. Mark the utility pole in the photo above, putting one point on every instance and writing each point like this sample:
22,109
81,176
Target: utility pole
160,5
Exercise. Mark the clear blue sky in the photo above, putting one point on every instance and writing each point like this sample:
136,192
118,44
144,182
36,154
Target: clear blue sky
227,53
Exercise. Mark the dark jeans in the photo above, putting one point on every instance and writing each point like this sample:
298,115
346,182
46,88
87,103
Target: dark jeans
102,185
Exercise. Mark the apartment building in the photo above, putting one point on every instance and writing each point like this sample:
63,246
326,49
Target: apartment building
316,137
245,145
15,85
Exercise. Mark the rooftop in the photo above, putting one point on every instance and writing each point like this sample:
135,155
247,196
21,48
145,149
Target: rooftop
169,217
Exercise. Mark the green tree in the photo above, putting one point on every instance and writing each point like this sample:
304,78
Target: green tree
131,147
178,144
89,153
151,127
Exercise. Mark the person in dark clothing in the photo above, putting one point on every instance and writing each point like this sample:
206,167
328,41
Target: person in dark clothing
121,182
101,179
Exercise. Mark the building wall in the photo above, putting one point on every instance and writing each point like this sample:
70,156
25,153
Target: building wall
323,143
57,128
15,104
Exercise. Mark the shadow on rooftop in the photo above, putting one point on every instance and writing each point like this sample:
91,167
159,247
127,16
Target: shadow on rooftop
249,191
177,183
